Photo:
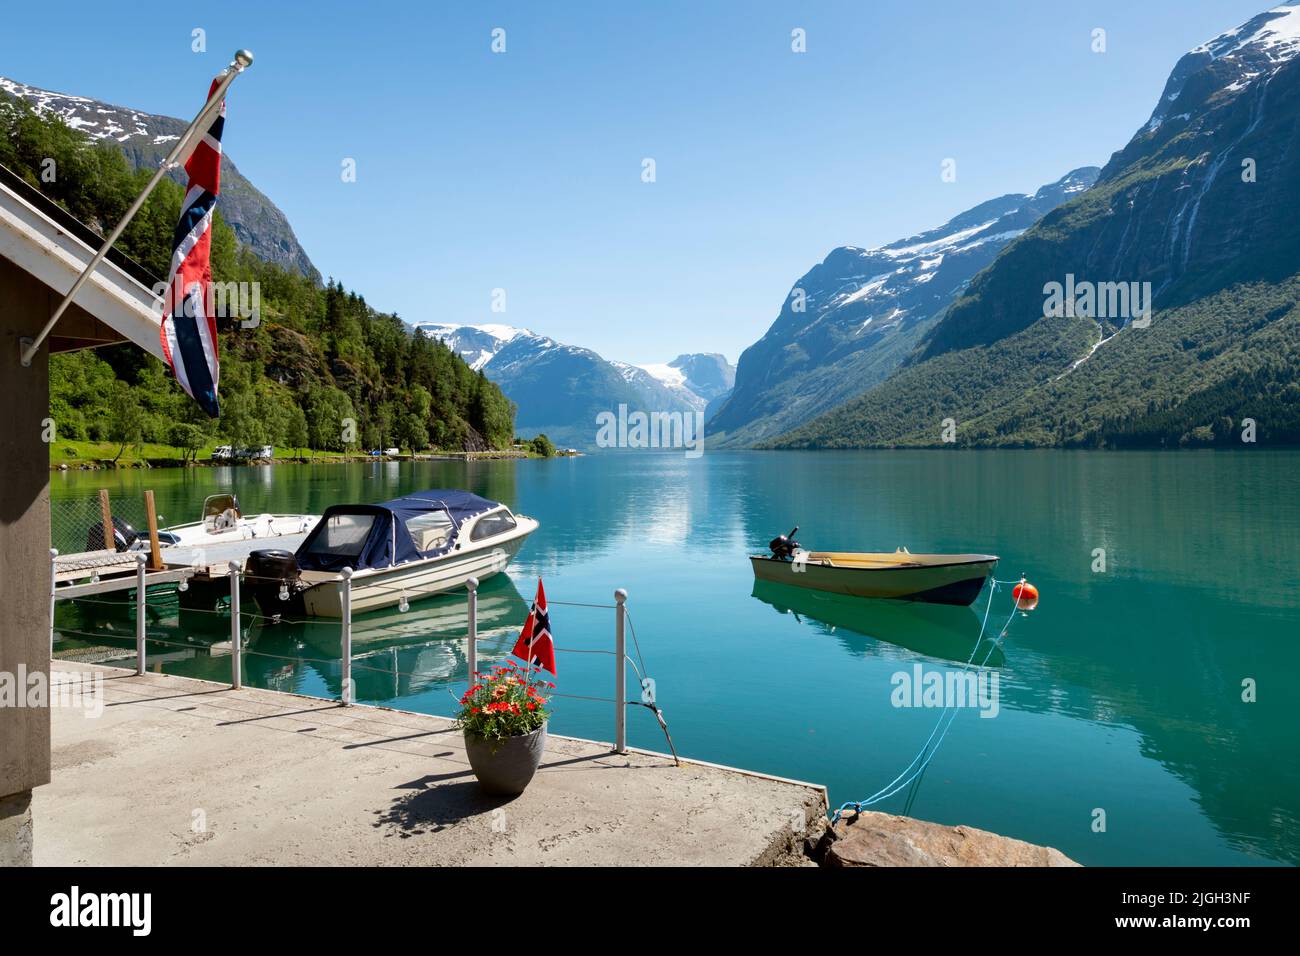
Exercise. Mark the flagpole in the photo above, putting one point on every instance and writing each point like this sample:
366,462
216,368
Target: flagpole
243,59
532,612
532,640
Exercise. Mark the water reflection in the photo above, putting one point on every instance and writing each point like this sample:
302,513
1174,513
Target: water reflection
396,654
940,631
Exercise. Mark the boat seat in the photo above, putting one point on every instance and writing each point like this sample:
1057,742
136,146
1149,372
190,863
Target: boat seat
839,559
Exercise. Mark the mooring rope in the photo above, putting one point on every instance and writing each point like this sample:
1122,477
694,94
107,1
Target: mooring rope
909,774
654,703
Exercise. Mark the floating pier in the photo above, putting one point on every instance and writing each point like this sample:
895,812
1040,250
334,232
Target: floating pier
206,569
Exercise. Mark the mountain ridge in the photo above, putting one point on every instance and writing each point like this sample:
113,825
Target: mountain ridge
1200,205
559,388
864,310
145,138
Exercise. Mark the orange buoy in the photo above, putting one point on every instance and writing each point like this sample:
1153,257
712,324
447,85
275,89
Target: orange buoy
1026,595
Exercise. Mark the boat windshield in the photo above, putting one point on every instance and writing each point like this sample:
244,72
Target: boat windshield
499,522
430,532
220,512
343,536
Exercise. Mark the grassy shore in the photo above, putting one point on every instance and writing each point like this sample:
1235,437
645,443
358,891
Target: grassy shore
83,455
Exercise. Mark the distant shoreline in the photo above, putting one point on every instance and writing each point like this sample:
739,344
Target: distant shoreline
141,464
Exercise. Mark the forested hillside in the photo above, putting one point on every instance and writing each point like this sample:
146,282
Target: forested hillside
320,357
1191,379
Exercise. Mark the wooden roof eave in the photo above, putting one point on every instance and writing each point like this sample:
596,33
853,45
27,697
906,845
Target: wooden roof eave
117,307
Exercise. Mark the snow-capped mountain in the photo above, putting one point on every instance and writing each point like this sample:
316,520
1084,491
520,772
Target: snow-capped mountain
560,389
695,378
1202,207
1258,48
1201,195
479,344
145,139
851,320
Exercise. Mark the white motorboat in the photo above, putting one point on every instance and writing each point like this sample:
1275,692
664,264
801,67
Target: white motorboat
222,521
412,547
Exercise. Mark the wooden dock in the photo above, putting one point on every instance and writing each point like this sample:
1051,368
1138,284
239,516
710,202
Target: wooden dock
99,572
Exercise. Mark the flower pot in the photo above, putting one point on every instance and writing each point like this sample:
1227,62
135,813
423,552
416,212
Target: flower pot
505,766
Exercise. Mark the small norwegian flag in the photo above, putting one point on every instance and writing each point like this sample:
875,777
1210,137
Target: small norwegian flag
189,333
535,644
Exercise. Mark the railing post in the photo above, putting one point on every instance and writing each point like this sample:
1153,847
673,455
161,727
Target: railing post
471,638
345,608
54,586
141,601
620,672
236,631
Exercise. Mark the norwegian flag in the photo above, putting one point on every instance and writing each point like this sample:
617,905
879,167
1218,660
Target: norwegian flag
535,644
189,333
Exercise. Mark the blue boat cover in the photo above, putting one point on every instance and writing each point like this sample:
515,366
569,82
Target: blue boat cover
388,541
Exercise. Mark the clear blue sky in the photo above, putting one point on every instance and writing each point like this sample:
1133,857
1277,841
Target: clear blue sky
523,171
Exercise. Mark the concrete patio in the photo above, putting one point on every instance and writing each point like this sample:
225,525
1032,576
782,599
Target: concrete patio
185,772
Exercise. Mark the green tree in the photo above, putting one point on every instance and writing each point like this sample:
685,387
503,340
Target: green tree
126,419
410,432
240,421
295,435
188,438
328,413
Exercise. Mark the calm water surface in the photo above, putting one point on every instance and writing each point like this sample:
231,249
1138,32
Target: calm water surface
1121,692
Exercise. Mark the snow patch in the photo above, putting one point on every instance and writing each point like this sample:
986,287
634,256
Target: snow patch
670,376
1276,33
874,284
936,245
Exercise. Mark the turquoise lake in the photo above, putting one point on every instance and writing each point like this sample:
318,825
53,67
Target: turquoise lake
1122,692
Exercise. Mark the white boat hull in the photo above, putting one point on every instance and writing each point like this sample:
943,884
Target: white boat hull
264,527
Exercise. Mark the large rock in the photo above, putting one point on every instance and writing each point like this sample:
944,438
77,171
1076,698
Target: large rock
879,839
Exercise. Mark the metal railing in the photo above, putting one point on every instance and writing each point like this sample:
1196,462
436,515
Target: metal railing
347,695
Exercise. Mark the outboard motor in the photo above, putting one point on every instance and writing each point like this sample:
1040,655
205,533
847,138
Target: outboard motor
784,546
123,536
272,576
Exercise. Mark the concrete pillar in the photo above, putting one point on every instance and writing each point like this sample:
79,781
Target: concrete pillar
16,829
24,557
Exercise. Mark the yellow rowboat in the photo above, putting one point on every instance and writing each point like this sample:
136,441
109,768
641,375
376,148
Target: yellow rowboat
932,578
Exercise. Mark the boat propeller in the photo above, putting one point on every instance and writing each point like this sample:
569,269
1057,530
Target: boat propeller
784,546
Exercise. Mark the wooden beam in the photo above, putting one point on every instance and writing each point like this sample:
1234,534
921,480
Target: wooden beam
107,516
155,558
